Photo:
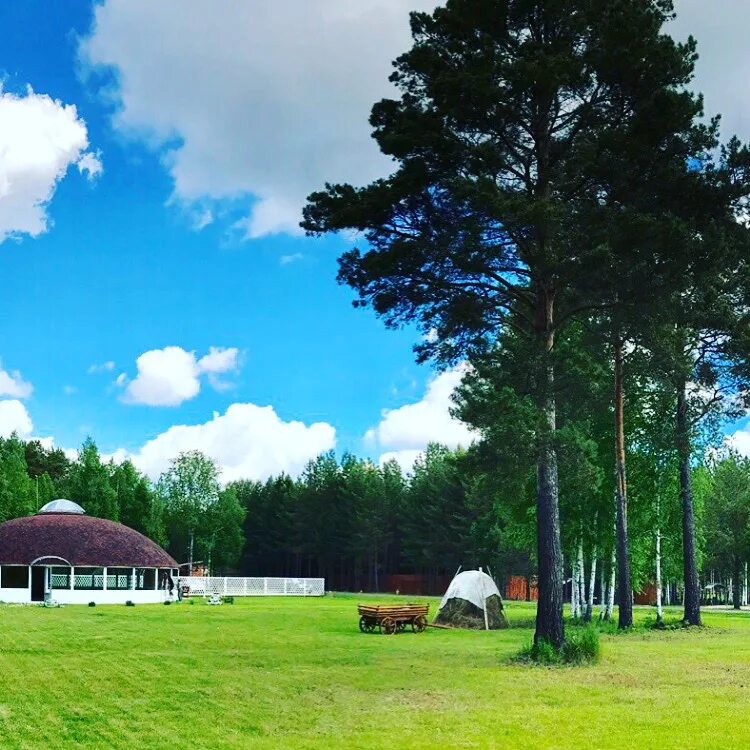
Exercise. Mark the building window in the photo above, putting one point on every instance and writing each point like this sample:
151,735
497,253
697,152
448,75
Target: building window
60,578
89,579
145,578
119,578
14,577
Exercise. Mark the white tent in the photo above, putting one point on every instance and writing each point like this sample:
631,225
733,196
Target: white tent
475,587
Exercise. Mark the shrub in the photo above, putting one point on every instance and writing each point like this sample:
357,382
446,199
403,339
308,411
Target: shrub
167,601
129,603
580,647
228,599
92,604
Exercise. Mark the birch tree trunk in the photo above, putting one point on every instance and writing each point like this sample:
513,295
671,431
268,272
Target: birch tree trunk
549,612
602,592
574,604
611,588
592,583
625,619
692,613
581,581
659,612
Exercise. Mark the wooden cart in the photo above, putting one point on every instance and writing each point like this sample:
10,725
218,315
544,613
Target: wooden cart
392,618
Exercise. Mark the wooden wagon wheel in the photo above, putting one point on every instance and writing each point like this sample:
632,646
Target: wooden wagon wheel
364,624
419,624
388,626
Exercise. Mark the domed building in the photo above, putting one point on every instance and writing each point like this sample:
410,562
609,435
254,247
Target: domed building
64,555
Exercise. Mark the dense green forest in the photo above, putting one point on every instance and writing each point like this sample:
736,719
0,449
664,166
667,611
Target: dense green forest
355,523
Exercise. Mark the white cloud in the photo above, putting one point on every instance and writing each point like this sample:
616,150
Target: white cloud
40,138
405,432
247,441
90,164
724,65
285,260
169,376
257,101
103,367
12,384
14,417
740,440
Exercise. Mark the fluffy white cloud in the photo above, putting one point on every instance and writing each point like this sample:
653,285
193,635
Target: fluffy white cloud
169,376
12,384
258,100
405,432
14,417
724,65
40,138
247,441
740,440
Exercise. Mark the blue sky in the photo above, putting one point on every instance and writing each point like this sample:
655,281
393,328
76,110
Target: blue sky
211,121
121,270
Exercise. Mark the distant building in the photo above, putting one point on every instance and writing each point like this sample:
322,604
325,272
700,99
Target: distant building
64,555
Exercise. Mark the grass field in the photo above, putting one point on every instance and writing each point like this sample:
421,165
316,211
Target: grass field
293,673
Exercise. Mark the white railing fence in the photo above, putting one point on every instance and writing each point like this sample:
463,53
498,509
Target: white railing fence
205,586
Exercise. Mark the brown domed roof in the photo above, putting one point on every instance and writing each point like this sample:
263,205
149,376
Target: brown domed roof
79,539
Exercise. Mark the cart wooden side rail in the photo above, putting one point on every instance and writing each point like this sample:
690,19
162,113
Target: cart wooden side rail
392,618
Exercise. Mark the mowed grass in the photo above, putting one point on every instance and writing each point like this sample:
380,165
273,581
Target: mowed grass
296,673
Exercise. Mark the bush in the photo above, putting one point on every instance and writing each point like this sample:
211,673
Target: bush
167,602
227,599
129,603
580,647
92,604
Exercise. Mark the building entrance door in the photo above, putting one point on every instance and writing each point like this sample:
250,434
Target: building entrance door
38,581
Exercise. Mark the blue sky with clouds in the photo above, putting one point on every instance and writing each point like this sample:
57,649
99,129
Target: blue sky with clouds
124,267
156,292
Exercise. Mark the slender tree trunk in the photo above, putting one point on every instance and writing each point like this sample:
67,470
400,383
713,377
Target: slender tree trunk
611,588
668,592
659,611
190,554
581,580
744,587
736,584
574,592
549,612
602,592
692,615
592,583
625,594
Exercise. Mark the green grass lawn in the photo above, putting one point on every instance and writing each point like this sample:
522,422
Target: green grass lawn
294,673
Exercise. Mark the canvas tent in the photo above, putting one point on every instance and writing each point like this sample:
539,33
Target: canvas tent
472,601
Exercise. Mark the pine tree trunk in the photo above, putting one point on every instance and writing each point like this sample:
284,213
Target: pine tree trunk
625,594
692,615
549,613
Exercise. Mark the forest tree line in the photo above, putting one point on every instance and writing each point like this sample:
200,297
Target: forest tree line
355,523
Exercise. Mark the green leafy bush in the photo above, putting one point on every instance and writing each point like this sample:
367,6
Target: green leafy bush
580,647
227,599
92,604
129,603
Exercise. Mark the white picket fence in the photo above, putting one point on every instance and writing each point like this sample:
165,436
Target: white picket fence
205,586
